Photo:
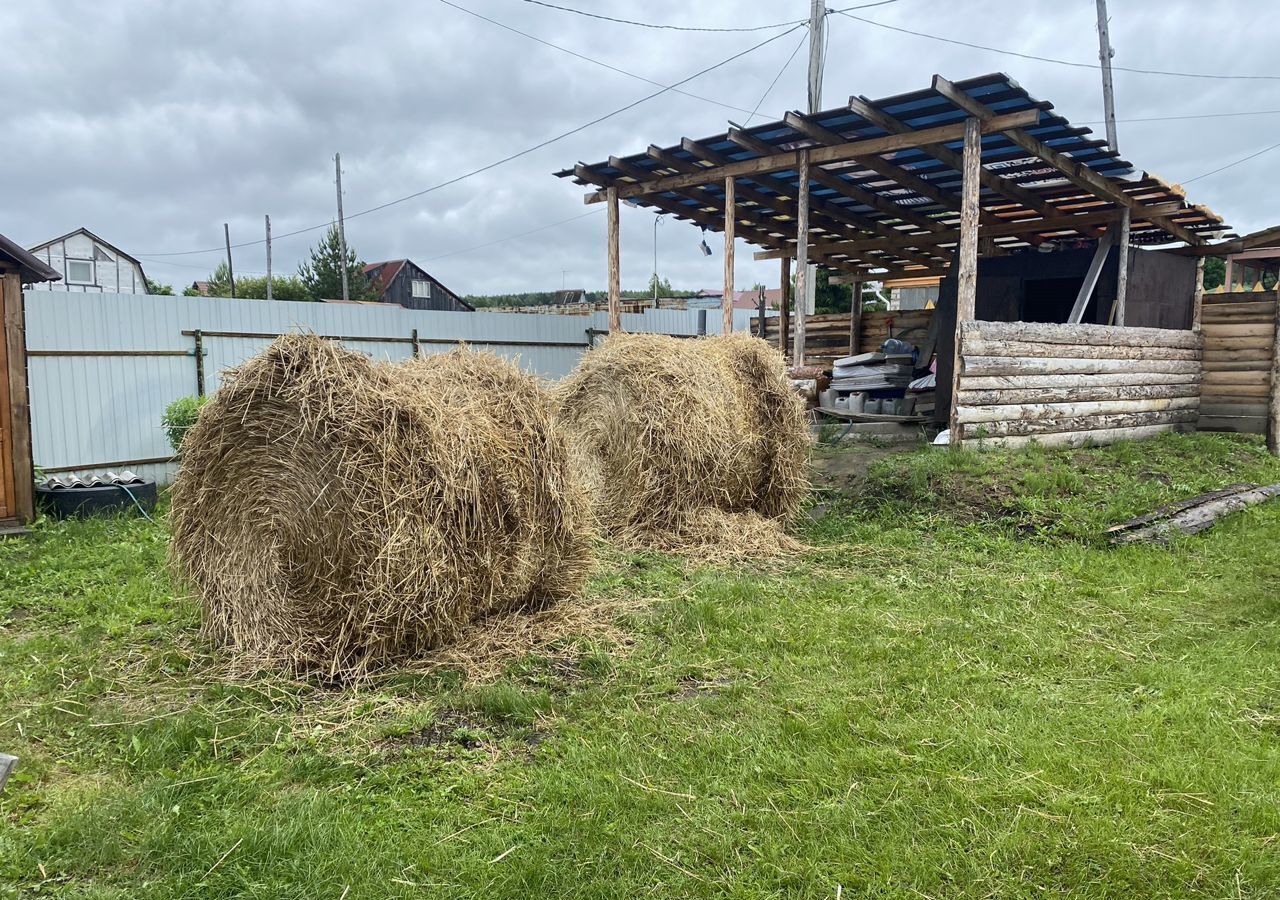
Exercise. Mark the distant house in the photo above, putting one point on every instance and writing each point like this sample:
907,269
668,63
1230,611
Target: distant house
88,264
402,282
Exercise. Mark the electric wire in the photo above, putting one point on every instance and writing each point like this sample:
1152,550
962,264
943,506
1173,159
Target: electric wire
506,159
1060,62
786,65
1232,165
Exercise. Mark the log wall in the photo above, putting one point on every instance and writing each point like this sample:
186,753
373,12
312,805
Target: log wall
1071,385
827,336
1239,331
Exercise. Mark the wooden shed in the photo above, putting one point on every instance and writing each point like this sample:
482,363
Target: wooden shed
17,267
1069,310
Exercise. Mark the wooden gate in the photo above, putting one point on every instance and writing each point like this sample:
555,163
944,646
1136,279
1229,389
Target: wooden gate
1239,330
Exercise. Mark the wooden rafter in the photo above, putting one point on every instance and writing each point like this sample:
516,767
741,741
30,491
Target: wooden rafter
1072,223
789,160
1075,172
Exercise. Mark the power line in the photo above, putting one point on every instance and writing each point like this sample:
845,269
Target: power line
591,15
786,65
1232,165
584,57
1060,62
512,237
1256,112
505,159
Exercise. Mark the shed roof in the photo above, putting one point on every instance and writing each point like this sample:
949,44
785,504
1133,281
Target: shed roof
30,268
885,180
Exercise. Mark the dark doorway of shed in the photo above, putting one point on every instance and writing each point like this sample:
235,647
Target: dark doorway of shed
1050,299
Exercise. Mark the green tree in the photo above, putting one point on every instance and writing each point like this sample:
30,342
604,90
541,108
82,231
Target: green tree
254,287
661,285
1215,272
322,275
830,298
155,287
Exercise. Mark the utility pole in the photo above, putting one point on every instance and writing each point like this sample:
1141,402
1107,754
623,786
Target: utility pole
1104,56
231,273
806,274
1105,53
268,218
656,221
342,233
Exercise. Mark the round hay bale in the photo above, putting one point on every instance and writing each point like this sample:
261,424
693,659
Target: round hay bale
334,515
688,445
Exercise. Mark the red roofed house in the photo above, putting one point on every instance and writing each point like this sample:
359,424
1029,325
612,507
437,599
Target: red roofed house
402,282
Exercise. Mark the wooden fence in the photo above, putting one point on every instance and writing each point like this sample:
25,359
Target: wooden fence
827,337
1239,348
1070,385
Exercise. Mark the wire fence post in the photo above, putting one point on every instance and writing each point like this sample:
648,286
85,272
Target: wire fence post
199,351
417,347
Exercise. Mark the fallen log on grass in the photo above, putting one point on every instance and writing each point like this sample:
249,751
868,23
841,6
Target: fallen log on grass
1190,516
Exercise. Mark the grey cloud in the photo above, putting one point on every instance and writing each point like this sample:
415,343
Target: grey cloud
157,121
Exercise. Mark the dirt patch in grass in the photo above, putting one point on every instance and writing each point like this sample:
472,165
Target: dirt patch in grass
452,728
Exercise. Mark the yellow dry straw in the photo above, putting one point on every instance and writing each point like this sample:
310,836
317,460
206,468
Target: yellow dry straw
695,446
334,515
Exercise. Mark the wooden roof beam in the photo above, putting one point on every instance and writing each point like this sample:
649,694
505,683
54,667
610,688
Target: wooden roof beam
998,184
899,175
780,162
1264,238
1019,229
780,244
834,182
816,204
1075,172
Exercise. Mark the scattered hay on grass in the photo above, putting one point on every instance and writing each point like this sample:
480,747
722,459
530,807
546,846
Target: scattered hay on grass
334,515
691,446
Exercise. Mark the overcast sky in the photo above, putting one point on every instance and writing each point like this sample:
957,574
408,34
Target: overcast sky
151,123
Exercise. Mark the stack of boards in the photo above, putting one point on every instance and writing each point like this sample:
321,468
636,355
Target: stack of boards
872,372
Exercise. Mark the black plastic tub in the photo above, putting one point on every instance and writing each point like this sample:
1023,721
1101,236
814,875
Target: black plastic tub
82,501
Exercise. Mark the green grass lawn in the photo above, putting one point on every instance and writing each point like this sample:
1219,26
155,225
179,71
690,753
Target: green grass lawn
961,691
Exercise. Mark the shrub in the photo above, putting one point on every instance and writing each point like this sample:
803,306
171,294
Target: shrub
178,417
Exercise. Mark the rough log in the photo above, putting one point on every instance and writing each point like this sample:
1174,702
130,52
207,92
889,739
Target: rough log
1007,365
1236,424
1000,382
1078,394
1261,342
1082,334
1097,437
1027,411
977,346
1238,407
1083,423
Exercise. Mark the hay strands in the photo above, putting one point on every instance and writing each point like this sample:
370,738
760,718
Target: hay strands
1190,516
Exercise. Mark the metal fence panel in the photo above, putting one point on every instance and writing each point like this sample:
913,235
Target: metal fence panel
103,367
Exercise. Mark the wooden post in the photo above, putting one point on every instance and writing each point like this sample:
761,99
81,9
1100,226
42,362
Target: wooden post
1273,408
967,265
20,464
231,272
268,219
784,311
855,317
730,216
802,260
198,336
415,343
615,274
1122,277
1197,299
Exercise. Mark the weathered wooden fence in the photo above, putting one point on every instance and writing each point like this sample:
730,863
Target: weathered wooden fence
1070,385
1239,349
827,337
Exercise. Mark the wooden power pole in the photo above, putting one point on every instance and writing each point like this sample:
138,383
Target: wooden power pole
231,273
806,274
342,233
1105,53
268,218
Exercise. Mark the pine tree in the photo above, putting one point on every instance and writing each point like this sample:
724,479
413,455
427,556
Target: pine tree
323,274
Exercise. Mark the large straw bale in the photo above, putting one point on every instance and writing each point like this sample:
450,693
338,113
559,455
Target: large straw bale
334,515
695,446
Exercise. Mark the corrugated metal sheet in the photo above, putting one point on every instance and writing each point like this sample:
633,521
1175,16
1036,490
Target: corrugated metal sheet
91,413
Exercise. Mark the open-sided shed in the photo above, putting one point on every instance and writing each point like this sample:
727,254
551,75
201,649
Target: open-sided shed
927,182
